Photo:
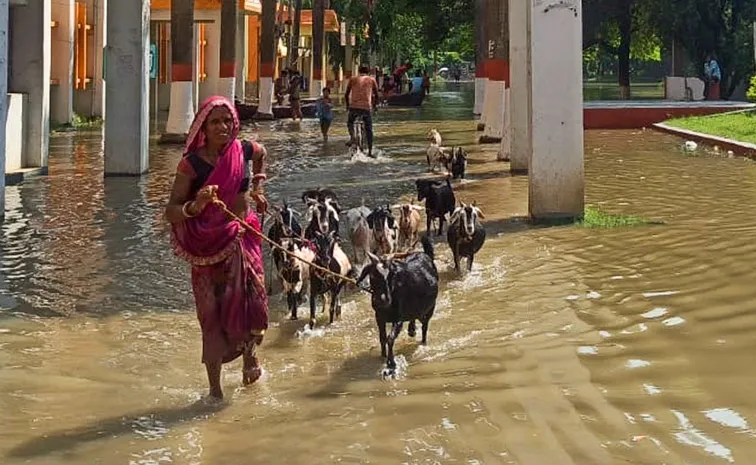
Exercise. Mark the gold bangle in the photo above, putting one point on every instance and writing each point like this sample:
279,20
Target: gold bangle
185,210
257,332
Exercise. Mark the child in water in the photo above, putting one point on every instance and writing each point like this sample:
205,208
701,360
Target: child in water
324,109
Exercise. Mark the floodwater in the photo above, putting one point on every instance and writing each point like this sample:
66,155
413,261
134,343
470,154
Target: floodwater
563,346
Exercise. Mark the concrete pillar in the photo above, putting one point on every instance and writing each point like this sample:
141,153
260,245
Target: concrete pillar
30,74
4,13
128,94
497,70
556,184
98,83
212,57
518,108
181,109
227,69
318,46
267,59
62,61
241,56
480,50
196,53
348,59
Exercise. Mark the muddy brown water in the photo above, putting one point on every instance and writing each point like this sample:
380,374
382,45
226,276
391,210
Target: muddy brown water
563,346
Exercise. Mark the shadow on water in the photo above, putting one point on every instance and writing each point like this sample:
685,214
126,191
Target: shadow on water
108,428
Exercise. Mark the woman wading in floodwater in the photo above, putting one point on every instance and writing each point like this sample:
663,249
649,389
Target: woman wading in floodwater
227,266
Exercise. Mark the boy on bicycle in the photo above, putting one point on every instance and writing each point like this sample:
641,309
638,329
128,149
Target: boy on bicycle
361,98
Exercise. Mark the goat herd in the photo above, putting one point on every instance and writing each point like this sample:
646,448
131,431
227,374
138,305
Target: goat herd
403,282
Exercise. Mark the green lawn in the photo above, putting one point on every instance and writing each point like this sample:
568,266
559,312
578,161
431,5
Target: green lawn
738,126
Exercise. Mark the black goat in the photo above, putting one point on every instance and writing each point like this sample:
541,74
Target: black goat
402,290
465,235
323,217
329,256
384,230
456,164
439,200
285,225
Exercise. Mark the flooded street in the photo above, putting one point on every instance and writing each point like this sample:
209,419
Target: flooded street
564,345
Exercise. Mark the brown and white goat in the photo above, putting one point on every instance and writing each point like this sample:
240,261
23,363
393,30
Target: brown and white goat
409,225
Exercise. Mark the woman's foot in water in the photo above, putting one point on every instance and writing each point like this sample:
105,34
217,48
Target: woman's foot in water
252,370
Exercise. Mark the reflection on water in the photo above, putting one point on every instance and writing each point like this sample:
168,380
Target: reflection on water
563,345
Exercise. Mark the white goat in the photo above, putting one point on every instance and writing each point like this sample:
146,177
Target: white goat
360,235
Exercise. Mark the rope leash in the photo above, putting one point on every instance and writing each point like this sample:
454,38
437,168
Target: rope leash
220,204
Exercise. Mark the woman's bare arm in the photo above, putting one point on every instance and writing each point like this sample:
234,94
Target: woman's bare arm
179,195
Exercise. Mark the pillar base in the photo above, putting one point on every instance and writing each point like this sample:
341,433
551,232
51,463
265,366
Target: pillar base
181,110
316,89
172,139
263,117
266,96
494,110
555,219
480,95
489,140
227,87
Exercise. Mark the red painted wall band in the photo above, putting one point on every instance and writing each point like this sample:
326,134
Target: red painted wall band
228,69
317,74
347,75
480,69
498,70
181,72
267,69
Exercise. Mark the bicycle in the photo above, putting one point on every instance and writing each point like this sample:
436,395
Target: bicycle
359,144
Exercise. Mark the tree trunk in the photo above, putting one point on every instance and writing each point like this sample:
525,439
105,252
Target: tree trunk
181,110
318,39
623,55
294,53
227,74
267,58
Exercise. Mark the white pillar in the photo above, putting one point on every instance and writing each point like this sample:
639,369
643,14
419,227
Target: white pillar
212,58
195,76
4,13
62,61
480,95
519,103
30,74
493,110
241,56
556,187
100,34
127,96
227,87
505,147
266,96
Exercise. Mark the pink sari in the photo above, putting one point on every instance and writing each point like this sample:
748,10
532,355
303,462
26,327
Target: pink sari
227,266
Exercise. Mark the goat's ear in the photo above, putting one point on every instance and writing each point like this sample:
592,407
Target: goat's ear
417,208
370,220
374,259
479,212
296,212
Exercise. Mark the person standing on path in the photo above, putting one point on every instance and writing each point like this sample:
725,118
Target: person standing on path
713,75
361,98
226,260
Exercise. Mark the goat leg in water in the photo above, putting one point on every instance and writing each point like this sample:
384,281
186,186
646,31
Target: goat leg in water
411,329
293,301
313,301
382,335
396,329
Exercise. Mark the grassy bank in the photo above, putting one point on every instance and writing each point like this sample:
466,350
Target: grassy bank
737,126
